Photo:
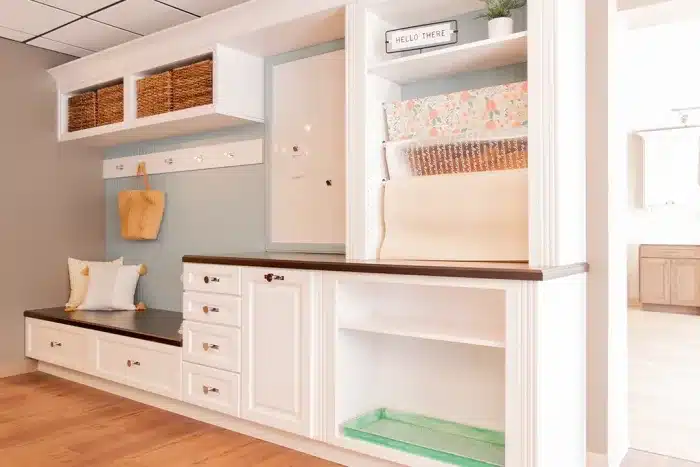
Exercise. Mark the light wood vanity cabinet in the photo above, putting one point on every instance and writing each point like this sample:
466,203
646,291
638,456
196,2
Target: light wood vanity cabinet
669,275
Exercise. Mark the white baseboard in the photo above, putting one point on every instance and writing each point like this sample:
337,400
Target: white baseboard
17,368
298,443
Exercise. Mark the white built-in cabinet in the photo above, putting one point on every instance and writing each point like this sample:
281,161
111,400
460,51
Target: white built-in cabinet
670,167
307,157
278,348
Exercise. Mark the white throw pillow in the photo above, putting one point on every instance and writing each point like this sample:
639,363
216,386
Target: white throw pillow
112,287
79,281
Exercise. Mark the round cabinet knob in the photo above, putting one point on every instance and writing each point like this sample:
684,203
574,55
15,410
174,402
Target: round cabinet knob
205,309
128,363
205,346
206,279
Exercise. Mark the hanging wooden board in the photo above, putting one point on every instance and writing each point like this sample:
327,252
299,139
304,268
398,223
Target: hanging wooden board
141,211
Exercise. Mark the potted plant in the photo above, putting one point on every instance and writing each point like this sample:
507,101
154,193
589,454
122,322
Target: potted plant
498,13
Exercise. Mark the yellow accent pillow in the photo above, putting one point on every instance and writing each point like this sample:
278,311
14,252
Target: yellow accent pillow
79,280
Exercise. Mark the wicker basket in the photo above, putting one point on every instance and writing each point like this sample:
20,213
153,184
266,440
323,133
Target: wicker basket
154,95
110,104
468,156
82,111
192,85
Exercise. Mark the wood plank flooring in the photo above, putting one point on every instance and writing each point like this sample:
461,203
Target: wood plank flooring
46,421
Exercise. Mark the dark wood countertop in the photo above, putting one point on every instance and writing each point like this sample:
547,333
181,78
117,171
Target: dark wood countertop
152,325
325,262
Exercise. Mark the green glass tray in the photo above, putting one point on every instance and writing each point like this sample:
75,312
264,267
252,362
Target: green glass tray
437,439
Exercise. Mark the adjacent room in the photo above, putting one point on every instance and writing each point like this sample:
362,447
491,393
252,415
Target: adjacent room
662,118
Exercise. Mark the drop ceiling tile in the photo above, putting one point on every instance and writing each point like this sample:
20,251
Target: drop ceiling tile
142,16
8,33
91,35
203,7
81,7
31,17
67,49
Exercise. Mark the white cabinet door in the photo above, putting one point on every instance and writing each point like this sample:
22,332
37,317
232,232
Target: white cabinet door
278,349
307,157
670,169
685,282
655,281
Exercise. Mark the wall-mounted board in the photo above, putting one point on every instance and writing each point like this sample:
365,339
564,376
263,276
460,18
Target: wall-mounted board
307,158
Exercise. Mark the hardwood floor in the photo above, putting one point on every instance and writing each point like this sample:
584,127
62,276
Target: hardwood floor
46,421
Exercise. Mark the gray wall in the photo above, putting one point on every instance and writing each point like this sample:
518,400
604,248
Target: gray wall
51,197
206,212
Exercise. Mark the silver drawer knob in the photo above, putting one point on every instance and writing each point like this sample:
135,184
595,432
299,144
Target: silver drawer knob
207,346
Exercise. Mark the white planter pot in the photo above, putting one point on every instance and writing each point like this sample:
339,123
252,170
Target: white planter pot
500,27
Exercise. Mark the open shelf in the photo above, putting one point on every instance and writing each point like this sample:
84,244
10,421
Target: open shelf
480,55
237,94
179,122
442,440
418,330
462,315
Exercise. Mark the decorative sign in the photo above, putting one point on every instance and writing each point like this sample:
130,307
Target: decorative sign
421,37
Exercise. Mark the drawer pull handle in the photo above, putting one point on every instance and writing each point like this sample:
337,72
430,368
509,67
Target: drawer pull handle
131,363
56,344
206,347
273,277
211,279
213,309
208,389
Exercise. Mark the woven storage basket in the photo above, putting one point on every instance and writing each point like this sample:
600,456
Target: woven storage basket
82,111
192,85
110,104
154,95
468,156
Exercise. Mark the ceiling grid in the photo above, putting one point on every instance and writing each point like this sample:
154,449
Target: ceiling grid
82,27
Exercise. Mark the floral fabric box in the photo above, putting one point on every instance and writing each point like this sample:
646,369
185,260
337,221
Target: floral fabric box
485,109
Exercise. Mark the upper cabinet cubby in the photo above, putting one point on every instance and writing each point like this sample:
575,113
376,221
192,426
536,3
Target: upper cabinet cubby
223,87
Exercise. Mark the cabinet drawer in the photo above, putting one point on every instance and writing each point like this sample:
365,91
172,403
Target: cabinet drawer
212,308
61,345
212,278
211,388
212,345
144,365
669,251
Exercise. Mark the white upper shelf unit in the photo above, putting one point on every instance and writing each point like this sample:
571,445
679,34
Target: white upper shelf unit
480,55
238,97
